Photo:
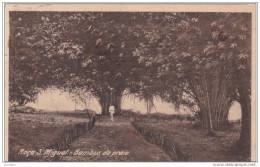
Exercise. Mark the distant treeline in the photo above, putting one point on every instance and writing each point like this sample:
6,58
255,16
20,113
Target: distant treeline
159,116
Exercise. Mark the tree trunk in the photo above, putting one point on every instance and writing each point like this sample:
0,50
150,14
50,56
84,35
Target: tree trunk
104,107
209,124
117,101
244,142
149,106
105,103
22,101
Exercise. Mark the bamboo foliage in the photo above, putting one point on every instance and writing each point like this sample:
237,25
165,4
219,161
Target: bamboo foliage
213,96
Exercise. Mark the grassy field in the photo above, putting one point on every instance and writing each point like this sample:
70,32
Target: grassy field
191,144
35,131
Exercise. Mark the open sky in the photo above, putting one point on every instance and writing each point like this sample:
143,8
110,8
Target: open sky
55,100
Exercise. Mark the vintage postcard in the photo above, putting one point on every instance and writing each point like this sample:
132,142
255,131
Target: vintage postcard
130,82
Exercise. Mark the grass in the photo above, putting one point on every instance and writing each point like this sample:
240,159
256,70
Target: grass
191,144
34,131
176,137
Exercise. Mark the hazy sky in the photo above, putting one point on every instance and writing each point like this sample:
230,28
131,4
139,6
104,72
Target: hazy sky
62,101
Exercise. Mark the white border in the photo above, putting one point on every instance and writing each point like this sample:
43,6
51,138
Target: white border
118,163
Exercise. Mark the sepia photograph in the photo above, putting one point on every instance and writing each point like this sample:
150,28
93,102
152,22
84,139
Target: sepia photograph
112,83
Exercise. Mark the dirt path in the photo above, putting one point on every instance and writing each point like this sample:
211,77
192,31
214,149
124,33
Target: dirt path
120,138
